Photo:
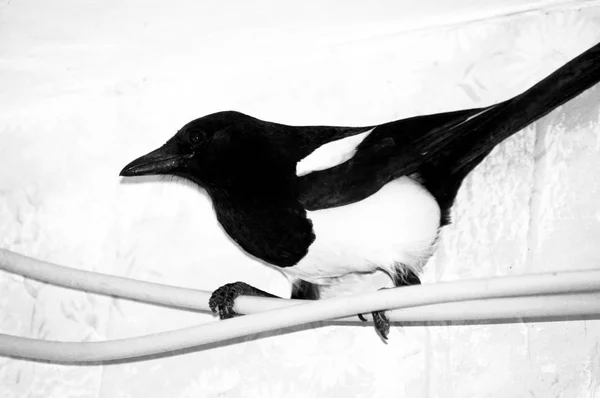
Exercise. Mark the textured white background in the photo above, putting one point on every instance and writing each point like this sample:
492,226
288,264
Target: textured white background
86,86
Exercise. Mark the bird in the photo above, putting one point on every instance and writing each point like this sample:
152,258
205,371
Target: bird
324,203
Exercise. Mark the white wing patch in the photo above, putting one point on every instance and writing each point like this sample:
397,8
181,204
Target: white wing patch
331,154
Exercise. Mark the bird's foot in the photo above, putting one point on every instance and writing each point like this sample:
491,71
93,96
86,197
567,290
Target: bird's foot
223,299
380,321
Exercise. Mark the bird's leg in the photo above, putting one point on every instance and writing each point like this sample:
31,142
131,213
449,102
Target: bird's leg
222,300
380,320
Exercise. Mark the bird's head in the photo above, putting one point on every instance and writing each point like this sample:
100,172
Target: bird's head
215,151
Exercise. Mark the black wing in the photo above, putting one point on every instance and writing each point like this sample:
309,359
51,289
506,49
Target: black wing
390,151
443,148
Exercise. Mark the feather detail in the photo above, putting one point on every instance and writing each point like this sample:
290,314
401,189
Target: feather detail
330,154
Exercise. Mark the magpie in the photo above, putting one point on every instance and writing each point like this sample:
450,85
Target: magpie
321,203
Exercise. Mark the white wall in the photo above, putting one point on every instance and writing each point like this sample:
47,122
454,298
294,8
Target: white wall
87,86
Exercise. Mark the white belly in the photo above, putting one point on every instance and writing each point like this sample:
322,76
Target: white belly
394,228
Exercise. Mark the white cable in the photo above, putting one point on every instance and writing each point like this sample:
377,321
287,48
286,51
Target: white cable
505,308
136,347
570,284
178,297
103,284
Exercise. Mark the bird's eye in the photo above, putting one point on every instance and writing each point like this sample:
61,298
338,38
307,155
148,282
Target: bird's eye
195,137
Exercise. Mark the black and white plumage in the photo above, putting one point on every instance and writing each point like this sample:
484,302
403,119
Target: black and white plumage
324,202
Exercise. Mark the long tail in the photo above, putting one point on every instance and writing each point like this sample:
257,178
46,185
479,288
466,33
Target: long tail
475,138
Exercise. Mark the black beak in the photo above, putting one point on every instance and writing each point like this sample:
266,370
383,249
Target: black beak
164,160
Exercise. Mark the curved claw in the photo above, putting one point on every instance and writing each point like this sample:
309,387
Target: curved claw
382,324
380,321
